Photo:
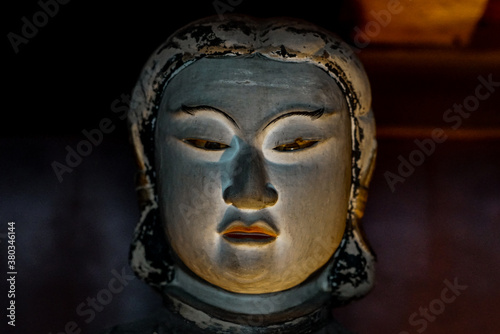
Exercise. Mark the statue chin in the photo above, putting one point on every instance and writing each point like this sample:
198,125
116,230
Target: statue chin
255,142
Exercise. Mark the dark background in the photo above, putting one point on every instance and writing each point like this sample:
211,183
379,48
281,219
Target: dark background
441,224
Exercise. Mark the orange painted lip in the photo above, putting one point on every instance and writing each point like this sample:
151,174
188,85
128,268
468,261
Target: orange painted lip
255,232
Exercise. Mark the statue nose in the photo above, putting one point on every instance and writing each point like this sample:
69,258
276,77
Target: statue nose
249,187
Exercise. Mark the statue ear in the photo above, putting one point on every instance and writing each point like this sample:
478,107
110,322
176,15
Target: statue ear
364,137
352,274
360,204
143,182
150,254
366,163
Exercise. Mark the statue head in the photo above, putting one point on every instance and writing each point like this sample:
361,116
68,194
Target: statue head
255,143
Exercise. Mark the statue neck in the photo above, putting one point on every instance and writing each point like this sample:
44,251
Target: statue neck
208,307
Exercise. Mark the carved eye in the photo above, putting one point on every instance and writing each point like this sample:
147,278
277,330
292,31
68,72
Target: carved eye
298,144
206,144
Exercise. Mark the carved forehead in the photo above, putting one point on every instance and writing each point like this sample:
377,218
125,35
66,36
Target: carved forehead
233,80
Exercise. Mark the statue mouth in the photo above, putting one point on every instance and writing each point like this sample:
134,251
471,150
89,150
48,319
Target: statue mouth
255,233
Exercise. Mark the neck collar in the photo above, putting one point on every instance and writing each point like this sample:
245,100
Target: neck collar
199,320
209,307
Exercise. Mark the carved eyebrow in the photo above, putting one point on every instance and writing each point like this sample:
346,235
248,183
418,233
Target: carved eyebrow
315,114
193,109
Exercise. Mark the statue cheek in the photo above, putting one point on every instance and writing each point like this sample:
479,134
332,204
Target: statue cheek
188,197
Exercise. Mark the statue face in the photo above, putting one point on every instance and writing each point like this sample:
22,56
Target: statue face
254,170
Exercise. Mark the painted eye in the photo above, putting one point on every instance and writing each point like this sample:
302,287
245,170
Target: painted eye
206,144
298,144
